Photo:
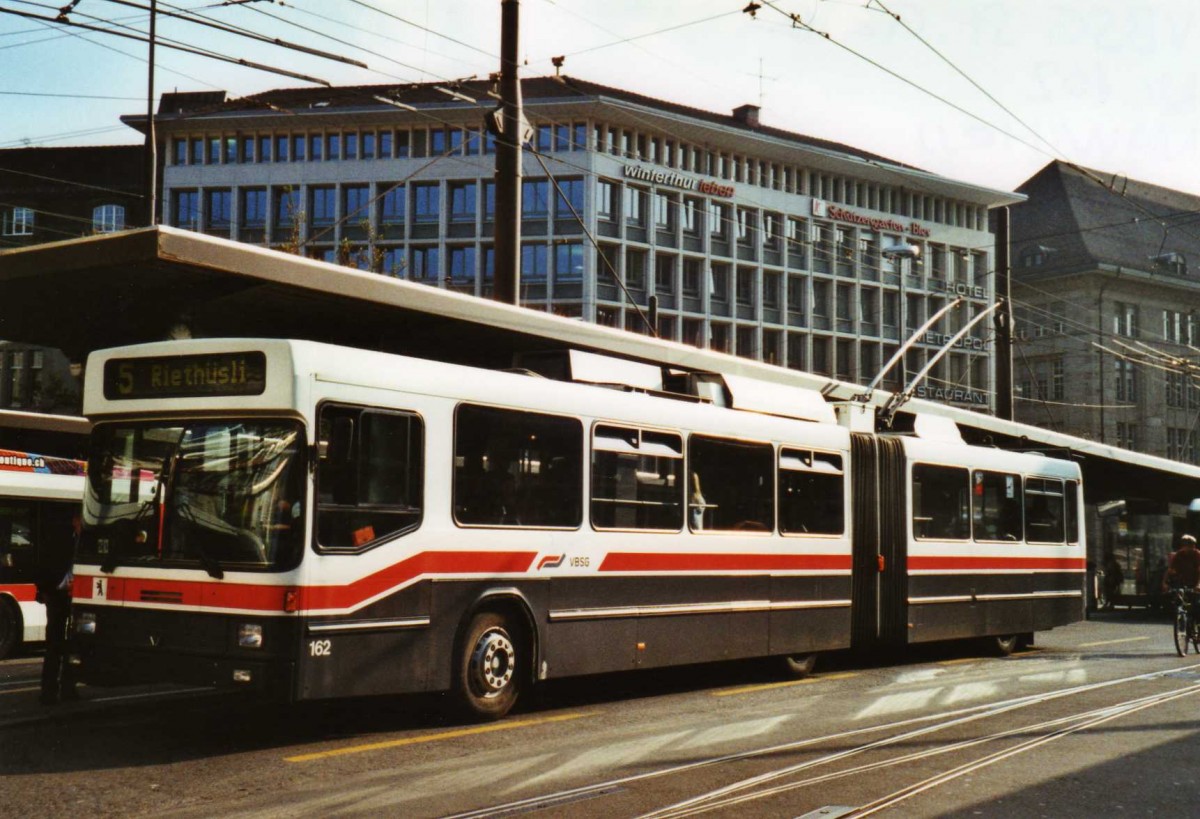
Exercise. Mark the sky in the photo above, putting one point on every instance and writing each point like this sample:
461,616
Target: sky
984,91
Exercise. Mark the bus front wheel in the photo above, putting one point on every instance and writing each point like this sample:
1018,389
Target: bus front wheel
799,666
488,676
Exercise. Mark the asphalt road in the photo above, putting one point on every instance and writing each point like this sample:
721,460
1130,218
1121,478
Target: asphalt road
1098,719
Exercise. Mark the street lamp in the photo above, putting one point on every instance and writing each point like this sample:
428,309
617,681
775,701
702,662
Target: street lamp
898,250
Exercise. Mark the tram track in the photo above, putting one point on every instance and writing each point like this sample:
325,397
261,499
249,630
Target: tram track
910,730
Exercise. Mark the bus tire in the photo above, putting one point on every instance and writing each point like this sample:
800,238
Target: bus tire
798,666
488,677
1004,644
10,627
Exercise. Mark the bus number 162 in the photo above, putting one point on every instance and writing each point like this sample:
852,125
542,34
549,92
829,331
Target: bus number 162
320,648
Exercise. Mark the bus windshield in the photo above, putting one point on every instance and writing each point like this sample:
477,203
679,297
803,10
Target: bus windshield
220,494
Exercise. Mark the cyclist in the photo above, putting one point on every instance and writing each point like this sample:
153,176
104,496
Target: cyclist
1183,567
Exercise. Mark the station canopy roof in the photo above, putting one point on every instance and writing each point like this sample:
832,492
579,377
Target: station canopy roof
156,283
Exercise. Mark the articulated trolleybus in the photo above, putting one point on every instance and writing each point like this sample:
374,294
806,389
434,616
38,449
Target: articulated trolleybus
325,522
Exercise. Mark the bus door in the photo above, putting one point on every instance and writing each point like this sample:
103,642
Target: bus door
879,583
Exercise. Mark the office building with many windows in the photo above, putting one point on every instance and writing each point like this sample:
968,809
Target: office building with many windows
749,239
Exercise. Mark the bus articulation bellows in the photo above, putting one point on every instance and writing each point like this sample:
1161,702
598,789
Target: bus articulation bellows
320,522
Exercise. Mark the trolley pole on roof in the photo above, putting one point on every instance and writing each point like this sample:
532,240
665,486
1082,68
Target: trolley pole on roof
151,157
1003,320
509,122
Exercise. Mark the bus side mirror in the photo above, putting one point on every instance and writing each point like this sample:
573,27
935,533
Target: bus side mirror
341,441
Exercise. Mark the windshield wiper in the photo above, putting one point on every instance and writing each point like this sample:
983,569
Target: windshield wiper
210,563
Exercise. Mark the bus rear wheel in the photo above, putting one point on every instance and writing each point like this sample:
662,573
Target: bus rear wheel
799,666
1004,644
10,627
488,676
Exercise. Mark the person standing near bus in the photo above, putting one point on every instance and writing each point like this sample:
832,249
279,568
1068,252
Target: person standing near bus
54,592
1183,567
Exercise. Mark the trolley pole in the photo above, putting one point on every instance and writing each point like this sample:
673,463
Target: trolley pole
151,152
1003,319
508,160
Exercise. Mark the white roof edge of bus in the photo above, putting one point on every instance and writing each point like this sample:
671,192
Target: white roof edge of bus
41,485
187,247
593,368
17,419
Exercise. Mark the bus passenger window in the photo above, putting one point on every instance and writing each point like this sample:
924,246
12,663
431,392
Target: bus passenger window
17,559
1044,511
941,508
514,468
996,505
637,479
370,484
811,493
732,485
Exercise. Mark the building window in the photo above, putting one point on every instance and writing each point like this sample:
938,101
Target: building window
463,196
489,201
568,263
635,268
18,222
719,281
254,207
606,200
635,206
368,145
186,209
281,148
691,217
333,146
745,286
356,201
299,143
288,213
1126,381
718,220
179,151
385,144
426,265
569,199
692,270
391,206
108,218
462,265
534,263
1058,380
535,199
218,208
1127,435
322,205
350,145
663,212
1125,321
1175,389
426,201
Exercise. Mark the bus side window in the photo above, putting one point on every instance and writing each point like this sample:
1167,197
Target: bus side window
1072,497
941,508
17,556
370,477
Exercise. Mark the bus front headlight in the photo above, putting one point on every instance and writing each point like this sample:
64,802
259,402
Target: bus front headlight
250,635
85,623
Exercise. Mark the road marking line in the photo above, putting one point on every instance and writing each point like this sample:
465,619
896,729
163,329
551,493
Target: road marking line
960,661
20,690
749,689
455,734
1112,642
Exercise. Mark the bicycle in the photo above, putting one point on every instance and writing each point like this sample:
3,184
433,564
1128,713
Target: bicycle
1187,630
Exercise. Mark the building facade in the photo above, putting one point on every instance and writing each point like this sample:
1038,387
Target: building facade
48,195
750,240
1108,310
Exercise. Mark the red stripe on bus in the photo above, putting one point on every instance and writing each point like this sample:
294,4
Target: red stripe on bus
22,592
701,562
221,595
962,562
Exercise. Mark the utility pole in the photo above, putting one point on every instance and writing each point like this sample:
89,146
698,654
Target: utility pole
508,160
151,153
1003,319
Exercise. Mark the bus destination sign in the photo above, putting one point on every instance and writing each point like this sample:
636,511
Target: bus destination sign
185,376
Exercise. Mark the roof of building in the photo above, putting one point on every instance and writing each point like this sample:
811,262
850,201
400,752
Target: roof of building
533,90
1082,218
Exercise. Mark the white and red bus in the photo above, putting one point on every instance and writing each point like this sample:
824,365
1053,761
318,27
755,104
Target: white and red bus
324,522
39,495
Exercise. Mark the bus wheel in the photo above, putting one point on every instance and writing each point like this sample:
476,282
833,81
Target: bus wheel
1004,644
10,627
799,666
488,678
